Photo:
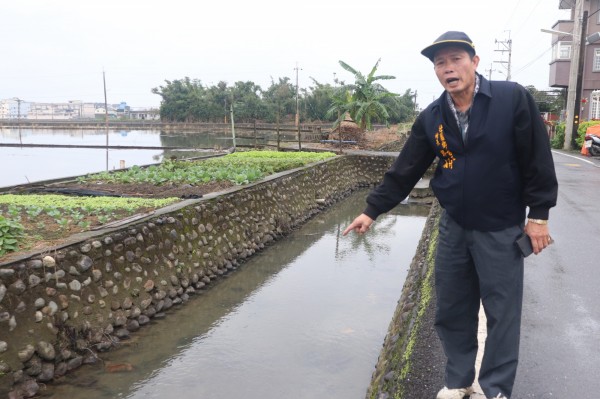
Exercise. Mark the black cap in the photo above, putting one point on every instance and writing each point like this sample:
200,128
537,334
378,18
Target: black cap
451,38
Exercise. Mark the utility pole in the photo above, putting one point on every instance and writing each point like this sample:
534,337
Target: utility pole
490,71
19,101
105,115
415,102
507,47
574,92
297,110
232,126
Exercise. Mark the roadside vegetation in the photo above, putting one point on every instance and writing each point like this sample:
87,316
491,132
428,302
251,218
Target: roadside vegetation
559,134
29,220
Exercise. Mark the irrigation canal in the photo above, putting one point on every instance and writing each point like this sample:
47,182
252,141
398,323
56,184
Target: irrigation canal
305,318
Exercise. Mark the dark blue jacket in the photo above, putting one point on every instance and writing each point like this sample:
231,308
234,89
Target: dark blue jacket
486,183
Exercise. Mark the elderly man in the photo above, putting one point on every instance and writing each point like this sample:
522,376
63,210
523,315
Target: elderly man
495,167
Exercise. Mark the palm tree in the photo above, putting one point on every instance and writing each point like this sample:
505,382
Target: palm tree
340,105
365,104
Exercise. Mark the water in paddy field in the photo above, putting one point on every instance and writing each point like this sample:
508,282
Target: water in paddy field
21,165
304,318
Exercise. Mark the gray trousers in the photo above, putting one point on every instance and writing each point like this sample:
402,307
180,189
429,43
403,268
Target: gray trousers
471,266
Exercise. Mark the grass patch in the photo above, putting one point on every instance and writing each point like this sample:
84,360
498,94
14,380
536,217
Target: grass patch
426,295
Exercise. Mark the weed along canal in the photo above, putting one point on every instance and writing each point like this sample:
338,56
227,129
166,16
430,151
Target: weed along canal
304,318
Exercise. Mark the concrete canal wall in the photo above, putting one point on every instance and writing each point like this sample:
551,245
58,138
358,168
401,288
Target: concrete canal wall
394,372
59,308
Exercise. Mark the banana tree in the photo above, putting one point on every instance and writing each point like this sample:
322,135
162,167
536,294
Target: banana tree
365,103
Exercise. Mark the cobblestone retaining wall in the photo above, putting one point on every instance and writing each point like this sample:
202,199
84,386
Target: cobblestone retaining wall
61,307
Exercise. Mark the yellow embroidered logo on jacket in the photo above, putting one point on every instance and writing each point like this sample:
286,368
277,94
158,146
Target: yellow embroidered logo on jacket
440,141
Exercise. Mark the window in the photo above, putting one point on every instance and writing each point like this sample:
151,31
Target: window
596,65
595,105
561,51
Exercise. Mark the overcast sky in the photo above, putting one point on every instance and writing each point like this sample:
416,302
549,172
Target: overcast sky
55,51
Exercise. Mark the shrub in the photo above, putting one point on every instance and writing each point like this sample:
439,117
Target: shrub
581,131
559,136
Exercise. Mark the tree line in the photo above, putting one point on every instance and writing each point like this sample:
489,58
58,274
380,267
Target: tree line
365,100
553,101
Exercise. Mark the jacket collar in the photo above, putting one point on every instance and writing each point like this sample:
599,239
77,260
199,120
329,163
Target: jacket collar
484,89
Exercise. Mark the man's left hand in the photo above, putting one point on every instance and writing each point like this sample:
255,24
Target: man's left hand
540,236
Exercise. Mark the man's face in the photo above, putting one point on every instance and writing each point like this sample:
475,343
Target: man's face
455,70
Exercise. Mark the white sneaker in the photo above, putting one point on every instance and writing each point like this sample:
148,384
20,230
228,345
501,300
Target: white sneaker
458,393
500,396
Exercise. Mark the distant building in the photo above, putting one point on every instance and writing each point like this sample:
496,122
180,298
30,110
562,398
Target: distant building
561,58
54,111
148,114
15,108
4,109
101,112
88,111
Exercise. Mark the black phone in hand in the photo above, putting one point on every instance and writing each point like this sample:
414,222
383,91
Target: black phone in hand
524,245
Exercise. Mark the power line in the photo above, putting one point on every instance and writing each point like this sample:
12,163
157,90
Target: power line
530,63
528,16
513,13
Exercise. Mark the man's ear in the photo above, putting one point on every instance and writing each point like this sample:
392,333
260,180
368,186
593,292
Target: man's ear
476,60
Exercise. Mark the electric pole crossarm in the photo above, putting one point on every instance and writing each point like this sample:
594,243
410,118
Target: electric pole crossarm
507,44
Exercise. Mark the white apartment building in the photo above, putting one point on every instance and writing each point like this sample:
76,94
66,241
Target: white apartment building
13,108
54,111
4,109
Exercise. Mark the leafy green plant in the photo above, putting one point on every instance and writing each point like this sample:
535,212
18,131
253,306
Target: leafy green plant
34,211
55,205
76,215
10,234
53,212
14,211
238,168
84,224
87,208
63,223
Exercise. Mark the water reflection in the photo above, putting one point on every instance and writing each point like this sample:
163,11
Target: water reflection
36,164
303,319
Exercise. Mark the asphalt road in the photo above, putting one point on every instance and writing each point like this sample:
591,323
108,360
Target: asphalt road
560,336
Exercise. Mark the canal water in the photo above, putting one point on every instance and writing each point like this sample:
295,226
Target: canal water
28,165
303,319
